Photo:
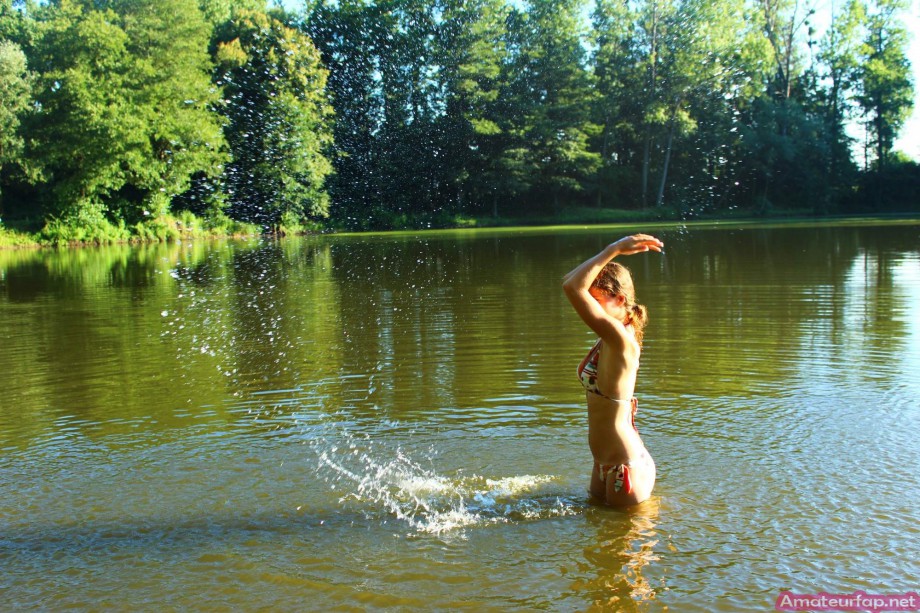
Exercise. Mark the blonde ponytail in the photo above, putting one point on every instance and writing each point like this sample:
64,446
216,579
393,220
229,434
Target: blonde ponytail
637,317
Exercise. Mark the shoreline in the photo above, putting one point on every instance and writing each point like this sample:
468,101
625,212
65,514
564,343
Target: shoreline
13,240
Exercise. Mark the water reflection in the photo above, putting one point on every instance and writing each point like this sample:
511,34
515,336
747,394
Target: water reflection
411,326
705,337
153,385
625,547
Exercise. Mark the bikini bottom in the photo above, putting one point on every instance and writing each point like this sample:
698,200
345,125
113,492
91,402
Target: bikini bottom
620,472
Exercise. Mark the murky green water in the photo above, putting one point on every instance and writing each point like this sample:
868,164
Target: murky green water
393,421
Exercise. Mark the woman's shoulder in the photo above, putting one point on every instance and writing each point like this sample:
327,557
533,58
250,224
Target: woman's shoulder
626,350
622,340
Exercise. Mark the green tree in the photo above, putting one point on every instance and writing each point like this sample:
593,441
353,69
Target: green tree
651,25
674,78
388,72
838,58
173,95
696,64
16,22
783,22
218,12
886,90
727,58
552,94
414,179
124,106
784,147
785,155
279,120
349,34
15,98
618,107
471,52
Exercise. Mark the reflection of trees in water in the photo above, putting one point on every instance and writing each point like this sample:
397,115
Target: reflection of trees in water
269,315
86,333
404,325
418,323
621,559
440,322
734,310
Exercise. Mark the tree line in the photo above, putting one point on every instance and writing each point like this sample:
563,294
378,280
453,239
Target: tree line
389,113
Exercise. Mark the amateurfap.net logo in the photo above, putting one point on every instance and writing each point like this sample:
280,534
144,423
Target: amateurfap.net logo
857,601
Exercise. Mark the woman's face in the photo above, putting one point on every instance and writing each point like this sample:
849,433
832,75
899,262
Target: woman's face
612,304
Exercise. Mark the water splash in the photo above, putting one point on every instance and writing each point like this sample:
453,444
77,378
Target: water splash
380,480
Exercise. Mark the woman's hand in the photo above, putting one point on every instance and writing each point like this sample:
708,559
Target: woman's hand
637,243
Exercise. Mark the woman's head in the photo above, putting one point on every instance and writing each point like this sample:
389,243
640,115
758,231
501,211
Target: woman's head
614,280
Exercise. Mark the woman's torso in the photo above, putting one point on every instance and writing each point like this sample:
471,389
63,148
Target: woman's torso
611,434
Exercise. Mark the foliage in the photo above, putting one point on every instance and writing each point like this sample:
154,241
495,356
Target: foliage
86,224
278,123
838,65
885,88
15,96
165,228
123,114
552,94
11,239
473,42
119,118
388,74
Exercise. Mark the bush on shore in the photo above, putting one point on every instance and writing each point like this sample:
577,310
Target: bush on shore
97,230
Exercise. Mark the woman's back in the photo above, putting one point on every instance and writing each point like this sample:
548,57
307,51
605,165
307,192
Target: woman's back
602,294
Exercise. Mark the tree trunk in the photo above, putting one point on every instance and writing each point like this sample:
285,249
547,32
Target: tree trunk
646,154
667,161
604,146
881,152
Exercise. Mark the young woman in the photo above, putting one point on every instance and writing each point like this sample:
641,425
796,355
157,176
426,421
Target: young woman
603,296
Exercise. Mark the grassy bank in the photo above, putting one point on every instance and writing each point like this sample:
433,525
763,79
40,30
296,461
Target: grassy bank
16,239
592,216
164,228
185,226
581,216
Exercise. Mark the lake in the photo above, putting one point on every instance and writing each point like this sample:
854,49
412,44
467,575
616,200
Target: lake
393,422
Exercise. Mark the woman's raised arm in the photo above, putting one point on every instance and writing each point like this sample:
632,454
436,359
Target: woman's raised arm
577,284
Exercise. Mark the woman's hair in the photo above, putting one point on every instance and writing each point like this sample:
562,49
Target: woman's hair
614,279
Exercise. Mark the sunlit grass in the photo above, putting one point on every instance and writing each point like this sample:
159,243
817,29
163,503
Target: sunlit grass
15,239
185,226
635,220
161,229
